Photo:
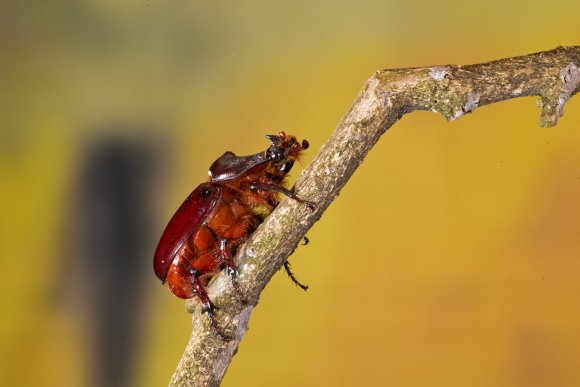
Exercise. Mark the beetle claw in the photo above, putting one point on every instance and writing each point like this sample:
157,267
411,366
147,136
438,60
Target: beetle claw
209,308
233,273
217,329
236,286
310,205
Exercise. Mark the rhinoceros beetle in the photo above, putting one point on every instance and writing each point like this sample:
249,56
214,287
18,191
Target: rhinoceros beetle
203,235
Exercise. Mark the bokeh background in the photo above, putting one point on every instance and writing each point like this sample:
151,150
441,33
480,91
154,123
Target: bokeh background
452,257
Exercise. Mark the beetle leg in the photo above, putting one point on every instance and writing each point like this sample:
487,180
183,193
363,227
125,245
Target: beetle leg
232,271
206,305
257,186
216,328
291,275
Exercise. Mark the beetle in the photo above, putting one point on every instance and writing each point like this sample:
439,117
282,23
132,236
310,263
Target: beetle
203,235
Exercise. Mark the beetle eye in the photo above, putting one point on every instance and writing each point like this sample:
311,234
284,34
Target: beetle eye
287,166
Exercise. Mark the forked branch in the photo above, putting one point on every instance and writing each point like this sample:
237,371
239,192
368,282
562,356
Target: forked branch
451,90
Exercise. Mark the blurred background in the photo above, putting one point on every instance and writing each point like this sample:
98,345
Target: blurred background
451,258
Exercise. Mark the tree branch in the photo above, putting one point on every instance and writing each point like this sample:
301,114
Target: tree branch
451,90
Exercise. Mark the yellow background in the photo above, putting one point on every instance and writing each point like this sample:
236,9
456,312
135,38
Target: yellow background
451,258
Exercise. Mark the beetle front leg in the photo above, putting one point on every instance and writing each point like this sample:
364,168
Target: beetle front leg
232,270
257,186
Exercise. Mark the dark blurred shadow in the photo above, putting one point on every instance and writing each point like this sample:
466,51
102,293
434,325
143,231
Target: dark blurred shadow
109,251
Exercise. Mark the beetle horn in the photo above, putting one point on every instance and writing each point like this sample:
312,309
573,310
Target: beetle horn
272,137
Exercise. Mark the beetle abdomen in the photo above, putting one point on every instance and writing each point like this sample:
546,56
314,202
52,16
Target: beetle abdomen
200,254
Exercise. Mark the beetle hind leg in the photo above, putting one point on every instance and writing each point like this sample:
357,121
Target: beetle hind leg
210,310
232,270
207,306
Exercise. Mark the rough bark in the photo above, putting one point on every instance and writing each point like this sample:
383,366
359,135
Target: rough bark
451,90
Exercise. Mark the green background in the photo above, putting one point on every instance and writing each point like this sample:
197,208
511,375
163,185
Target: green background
452,257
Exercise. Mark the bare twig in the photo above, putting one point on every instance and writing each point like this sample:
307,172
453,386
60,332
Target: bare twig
451,90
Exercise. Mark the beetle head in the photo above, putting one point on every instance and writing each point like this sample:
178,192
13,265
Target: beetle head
285,149
275,154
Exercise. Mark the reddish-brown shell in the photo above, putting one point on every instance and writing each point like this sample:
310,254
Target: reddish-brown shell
186,220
